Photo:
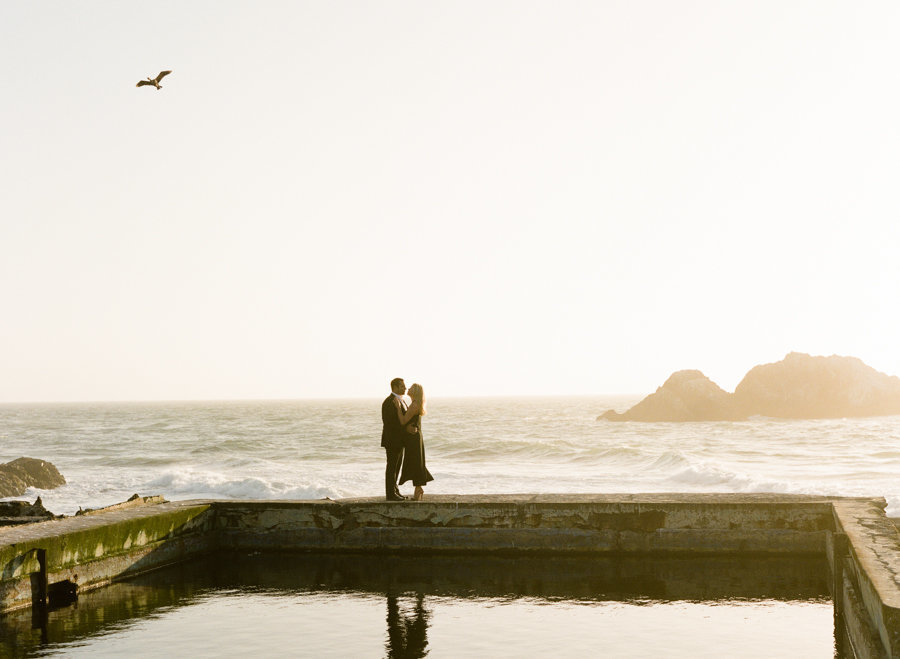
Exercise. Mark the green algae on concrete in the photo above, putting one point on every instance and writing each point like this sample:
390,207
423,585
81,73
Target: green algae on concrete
90,550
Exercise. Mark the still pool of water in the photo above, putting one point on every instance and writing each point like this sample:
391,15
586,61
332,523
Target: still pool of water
303,605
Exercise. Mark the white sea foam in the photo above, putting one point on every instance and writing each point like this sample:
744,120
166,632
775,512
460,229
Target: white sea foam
669,461
706,476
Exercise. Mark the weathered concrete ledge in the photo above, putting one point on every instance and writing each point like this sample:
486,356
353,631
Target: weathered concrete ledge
89,551
861,544
866,569
562,523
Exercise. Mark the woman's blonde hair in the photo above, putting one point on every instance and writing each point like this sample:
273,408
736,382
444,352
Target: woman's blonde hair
418,395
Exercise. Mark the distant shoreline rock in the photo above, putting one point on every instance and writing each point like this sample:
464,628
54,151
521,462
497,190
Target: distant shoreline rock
798,387
20,474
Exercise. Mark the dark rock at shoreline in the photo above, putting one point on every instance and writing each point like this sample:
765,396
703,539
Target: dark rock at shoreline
798,387
685,396
22,473
21,512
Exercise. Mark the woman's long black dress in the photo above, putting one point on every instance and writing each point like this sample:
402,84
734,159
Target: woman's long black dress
414,468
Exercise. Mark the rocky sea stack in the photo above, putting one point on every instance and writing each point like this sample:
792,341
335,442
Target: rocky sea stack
685,396
22,473
798,387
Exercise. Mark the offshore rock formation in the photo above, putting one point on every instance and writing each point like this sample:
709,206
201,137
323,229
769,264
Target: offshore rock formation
22,473
804,387
798,387
685,396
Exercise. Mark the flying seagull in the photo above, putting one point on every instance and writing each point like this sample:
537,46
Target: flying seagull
154,81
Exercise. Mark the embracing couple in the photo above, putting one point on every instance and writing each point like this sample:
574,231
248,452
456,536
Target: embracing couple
402,440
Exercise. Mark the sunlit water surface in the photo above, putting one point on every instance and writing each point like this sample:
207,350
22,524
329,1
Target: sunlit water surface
313,449
340,626
332,606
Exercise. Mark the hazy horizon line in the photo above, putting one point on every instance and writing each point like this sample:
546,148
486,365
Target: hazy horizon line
307,398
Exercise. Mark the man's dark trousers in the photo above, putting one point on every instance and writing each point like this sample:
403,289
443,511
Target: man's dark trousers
392,470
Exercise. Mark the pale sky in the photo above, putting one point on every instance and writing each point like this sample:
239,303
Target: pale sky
489,198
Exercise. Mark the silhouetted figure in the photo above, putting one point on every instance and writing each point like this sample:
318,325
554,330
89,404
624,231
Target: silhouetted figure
414,468
407,635
392,438
154,81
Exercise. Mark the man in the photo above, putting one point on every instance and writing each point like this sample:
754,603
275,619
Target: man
392,439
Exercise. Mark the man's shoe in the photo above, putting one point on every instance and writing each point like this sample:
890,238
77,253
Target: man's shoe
397,498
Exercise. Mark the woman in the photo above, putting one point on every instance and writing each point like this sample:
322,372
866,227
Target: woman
414,468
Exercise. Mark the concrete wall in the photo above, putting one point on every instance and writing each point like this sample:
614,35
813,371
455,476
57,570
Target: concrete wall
866,566
715,524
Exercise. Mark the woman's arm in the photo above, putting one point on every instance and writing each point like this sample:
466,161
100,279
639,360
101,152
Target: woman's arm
411,411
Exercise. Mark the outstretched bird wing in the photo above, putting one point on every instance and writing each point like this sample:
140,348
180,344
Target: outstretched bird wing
162,74
143,82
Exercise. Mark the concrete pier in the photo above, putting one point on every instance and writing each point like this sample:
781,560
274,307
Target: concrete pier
861,544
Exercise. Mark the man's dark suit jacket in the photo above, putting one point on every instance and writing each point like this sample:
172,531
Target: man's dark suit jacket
392,433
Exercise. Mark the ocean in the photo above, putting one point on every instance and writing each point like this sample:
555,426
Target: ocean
311,449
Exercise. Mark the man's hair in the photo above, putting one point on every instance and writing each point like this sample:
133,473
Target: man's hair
396,382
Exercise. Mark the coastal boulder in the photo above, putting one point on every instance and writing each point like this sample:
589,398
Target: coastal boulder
22,473
13,513
685,396
806,387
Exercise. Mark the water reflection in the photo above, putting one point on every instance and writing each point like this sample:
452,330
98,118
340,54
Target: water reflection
407,633
410,586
